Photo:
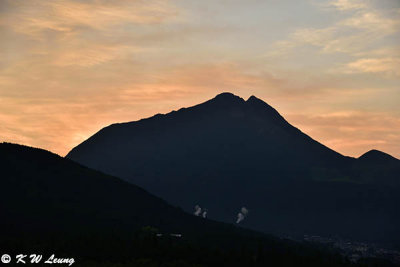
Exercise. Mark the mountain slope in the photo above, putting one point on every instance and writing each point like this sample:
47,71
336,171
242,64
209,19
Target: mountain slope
227,153
53,205
377,167
38,186
378,157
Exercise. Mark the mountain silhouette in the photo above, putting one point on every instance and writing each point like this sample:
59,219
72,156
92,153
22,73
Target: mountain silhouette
41,191
378,157
50,204
227,153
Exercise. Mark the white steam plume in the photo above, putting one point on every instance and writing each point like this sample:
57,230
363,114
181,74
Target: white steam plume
204,213
244,211
242,214
240,217
197,210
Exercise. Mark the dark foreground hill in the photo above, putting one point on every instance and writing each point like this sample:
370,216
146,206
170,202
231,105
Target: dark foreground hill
52,205
228,153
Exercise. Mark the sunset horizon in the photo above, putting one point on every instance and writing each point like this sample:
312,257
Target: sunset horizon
200,133
70,68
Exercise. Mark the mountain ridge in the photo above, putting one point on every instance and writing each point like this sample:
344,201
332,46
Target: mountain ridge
227,147
226,96
375,154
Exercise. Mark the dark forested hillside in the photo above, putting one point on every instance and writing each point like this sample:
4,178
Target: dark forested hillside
52,205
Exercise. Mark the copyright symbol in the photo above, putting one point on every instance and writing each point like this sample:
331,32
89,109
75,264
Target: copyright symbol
5,258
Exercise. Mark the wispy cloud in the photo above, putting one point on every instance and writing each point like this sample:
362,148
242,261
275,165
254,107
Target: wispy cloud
347,4
361,31
388,65
37,16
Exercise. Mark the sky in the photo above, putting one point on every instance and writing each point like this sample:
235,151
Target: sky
70,67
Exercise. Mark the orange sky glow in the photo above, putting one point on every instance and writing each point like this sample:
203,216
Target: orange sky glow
70,67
